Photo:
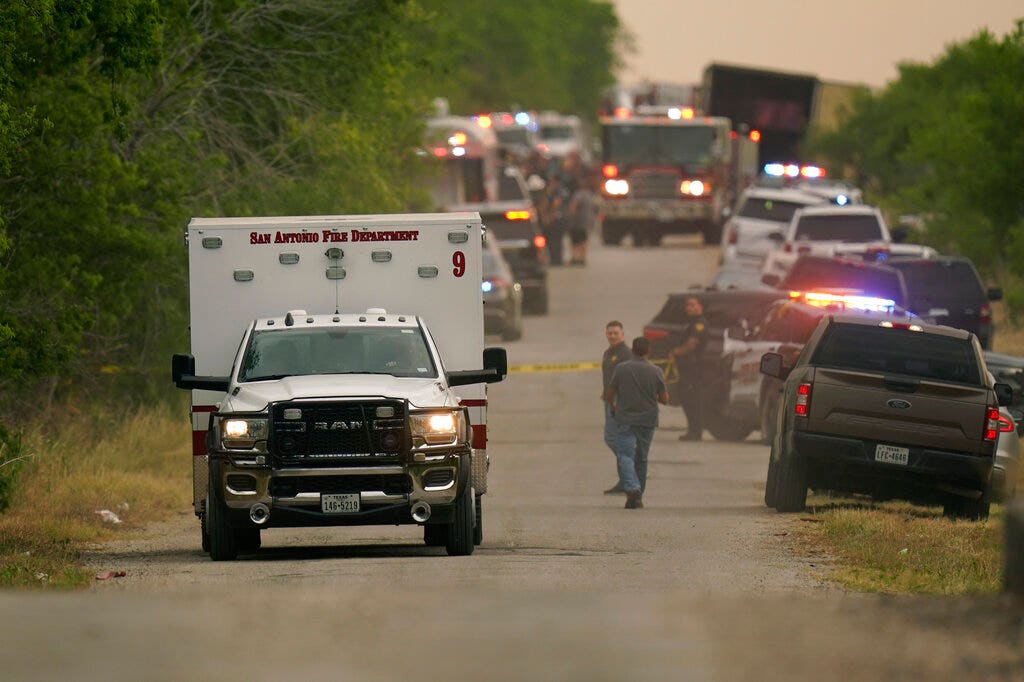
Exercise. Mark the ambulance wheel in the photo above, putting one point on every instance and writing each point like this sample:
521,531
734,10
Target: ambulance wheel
460,530
435,535
223,541
478,527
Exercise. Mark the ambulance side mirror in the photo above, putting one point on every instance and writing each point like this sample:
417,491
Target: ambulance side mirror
183,373
495,369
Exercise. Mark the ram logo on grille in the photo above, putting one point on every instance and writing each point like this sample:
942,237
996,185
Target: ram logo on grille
337,426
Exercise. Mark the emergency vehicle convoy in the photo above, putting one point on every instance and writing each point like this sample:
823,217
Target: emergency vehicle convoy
336,376
670,170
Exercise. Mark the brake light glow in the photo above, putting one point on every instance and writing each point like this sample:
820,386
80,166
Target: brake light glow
517,215
610,171
991,423
540,241
803,399
900,325
616,187
654,334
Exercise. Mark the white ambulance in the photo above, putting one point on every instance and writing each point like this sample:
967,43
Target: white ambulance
337,375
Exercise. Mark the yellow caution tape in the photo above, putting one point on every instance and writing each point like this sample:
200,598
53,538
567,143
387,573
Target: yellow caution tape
564,367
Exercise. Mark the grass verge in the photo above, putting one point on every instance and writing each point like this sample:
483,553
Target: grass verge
898,548
137,467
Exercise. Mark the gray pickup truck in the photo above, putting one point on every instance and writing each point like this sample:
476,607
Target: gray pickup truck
889,408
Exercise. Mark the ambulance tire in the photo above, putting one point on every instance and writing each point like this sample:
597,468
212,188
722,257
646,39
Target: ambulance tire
478,526
435,535
460,530
203,529
223,541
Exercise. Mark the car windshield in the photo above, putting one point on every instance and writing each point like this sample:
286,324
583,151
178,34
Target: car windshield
777,210
274,354
682,145
843,228
811,275
939,282
898,351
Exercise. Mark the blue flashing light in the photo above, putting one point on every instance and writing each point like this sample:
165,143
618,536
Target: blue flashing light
487,287
842,199
522,118
776,170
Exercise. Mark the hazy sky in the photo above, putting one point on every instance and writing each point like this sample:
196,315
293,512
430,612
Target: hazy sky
858,41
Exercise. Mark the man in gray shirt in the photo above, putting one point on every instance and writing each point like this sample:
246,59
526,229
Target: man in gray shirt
633,394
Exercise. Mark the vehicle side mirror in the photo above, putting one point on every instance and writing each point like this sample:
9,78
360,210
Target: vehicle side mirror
495,369
771,365
1004,393
995,294
899,234
770,279
183,373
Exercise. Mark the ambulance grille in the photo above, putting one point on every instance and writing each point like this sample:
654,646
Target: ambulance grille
332,434
654,185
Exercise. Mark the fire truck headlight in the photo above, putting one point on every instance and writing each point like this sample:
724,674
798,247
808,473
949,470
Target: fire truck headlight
243,433
437,428
694,188
616,187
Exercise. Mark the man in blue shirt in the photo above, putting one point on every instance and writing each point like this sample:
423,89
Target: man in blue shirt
633,394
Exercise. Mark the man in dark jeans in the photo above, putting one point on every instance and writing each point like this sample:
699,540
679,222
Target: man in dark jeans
687,356
615,354
633,395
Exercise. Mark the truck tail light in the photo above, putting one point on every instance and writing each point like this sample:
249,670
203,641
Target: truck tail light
985,314
1005,424
654,334
991,423
803,400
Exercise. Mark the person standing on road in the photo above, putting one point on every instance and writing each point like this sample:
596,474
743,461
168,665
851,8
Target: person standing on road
633,395
687,356
615,354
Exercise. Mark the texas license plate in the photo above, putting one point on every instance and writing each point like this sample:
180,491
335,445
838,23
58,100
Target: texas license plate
890,454
339,504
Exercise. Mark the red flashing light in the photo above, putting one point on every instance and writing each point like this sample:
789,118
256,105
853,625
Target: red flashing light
621,112
803,400
610,171
687,113
733,135
540,241
440,152
507,119
517,215
458,139
654,334
755,135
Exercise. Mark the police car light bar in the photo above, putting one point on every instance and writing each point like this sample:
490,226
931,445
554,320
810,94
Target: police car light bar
792,170
869,304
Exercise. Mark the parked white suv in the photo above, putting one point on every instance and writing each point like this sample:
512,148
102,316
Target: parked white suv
760,212
820,230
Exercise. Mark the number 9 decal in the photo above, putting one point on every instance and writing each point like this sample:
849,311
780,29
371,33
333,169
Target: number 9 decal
459,261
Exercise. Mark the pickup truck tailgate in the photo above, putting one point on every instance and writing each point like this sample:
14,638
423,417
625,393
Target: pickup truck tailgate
899,409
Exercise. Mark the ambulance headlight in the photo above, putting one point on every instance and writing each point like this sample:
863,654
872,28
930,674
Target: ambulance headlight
242,434
438,428
616,187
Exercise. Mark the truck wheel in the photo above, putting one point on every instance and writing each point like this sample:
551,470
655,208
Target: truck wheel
435,535
612,233
460,531
202,527
248,539
223,542
771,484
970,510
791,490
478,527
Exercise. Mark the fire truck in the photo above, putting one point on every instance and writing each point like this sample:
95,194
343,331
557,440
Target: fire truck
468,161
671,170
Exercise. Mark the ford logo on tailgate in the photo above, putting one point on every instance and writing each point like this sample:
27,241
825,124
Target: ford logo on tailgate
898,404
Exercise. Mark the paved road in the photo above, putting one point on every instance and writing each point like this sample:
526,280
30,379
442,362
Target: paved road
703,584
